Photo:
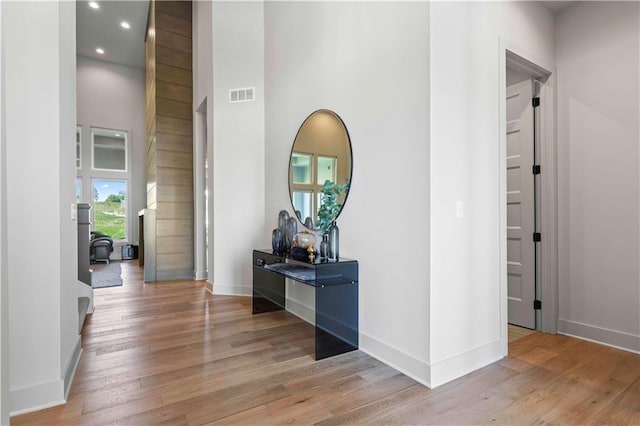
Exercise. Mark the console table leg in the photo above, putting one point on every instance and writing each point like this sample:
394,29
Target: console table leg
336,320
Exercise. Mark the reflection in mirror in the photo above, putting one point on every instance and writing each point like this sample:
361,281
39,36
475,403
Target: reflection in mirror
320,163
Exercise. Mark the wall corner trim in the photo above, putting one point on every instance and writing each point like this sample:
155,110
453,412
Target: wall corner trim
459,365
417,369
72,366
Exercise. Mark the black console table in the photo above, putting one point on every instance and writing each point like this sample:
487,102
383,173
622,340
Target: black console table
336,291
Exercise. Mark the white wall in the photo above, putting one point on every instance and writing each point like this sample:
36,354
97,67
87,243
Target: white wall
238,146
202,90
38,81
598,102
4,285
112,96
368,62
468,293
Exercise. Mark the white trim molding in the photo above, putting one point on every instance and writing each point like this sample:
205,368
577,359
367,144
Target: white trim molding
515,57
604,336
229,290
72,366
301,310
417,369
459,365
36,397
45,395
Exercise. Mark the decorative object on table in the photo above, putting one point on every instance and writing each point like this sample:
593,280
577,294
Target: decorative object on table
308,222
304,239
277,241
330,206
299,253
291,230
334,241
312,253
283,217
324,246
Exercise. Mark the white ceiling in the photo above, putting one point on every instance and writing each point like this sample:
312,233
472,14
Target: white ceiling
557,6
101,28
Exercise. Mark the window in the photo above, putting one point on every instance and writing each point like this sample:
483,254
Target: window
303,201
109,150
78,190
78,147
301,166
326,169
309,172
110,207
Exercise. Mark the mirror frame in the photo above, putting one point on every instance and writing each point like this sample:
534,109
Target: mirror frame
346,196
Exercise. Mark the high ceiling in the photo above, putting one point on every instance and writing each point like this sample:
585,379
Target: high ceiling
100,28
557,6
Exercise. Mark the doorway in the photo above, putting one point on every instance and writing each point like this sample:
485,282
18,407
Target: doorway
529,185
201,193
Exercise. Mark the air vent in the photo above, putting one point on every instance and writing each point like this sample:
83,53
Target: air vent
246,94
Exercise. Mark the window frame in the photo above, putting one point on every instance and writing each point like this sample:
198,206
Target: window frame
126,206
80,180
314,187
78,147
125,135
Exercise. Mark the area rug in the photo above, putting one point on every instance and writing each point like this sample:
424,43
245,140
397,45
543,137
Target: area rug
106,275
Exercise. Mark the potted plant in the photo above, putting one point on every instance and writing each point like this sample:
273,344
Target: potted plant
330,207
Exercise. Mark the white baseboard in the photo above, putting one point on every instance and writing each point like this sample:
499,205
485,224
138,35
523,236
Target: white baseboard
46,395
459,365
37,397
418,370
229,290
72,365
301,310
604,336
199,275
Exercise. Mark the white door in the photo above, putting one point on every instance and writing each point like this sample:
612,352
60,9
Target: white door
520,205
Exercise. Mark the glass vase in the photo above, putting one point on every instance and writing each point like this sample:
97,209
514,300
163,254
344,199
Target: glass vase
334,241
283,217
324,246
277,241
291,230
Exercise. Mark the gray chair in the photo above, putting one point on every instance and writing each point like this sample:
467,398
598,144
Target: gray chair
100,247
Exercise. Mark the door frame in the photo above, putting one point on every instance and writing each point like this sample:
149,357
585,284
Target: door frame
200,147
547,317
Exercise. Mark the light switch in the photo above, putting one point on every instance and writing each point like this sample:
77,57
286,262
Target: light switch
459,209
74,212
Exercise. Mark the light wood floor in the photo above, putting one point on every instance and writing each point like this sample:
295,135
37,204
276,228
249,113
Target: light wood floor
174,354
516,332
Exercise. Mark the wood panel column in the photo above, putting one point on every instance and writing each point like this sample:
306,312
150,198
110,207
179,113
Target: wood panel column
169,126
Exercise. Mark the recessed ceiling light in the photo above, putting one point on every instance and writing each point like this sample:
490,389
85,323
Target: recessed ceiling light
100,50
94,5
125,25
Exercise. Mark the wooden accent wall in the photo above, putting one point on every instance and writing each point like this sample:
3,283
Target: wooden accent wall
169,115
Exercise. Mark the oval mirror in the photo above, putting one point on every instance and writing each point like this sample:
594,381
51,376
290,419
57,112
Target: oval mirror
320,169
